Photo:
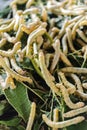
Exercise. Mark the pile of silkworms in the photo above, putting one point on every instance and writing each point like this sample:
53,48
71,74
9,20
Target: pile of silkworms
56,32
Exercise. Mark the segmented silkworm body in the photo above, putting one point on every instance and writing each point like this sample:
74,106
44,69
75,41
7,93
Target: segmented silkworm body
31,116
31,38
46,74
67,99
77,81
2,42
71,88
12,52
55,116
64,44
74,70
81,94
63,123
75,112
13,73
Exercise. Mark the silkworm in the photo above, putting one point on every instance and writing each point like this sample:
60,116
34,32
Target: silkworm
31,38
8,27
7,21
65,59
69,37
74,70
29,3
71,12
13,73
83,23
2,42
81,94
62,124
64,44
35,49
71,88
76,26
46,75
82,35
77,81
84,85
75,19
31,27
76,112
68,101
30,11
39,42
18,34
80,42
44,14
56,47
63,29
55,116
16,25
11,53
9,38
16,67
9,82
31,116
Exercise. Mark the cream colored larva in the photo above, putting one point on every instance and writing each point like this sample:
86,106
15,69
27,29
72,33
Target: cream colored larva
75,112
70,87
62,124
13,73
67,99
82,35
11,53
55,116
31,116
46,74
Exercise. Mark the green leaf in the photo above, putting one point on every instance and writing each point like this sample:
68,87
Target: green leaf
18,98
80,126
12,122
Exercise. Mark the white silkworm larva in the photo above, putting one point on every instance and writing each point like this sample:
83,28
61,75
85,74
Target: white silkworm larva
75,19
83,23
32,116
63,123
75,112
64,44
44,15
68,101
55,116
13,73
84,85
31,38
56,47
8,27
76,26
81,94
63,29
69,37
74,70
39,42
71,12
8,37
77,81
29,3
47,58
11,53
2,42
9,82
30,11
16,67
47,76
71,88
65,59
82,35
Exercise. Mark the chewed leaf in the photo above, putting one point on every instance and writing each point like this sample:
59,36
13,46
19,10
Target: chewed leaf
18,98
